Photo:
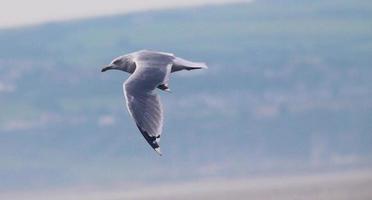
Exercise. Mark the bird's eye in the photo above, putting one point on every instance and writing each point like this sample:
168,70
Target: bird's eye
117,62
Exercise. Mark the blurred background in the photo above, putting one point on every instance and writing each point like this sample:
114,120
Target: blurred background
288,92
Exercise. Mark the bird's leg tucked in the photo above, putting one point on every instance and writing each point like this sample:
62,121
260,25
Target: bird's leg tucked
164,87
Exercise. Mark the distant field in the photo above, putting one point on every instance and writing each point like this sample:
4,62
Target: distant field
340,186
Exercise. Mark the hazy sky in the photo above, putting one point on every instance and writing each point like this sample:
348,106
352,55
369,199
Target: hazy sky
21,12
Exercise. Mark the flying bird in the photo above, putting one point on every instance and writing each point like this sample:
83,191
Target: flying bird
150,70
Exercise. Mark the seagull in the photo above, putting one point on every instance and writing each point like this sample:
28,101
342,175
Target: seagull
150,70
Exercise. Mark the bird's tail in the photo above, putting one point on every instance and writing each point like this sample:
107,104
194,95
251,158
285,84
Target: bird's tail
197,65
180,64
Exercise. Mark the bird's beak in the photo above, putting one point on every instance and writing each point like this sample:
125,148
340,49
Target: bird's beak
105,68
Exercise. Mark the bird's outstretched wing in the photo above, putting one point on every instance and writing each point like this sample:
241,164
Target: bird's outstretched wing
143,103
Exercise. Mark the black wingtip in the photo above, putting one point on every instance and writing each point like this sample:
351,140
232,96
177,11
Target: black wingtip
151,140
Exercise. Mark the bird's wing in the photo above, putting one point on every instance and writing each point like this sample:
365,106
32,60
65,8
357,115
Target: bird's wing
143,103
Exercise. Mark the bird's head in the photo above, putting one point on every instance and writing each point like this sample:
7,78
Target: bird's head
123,63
